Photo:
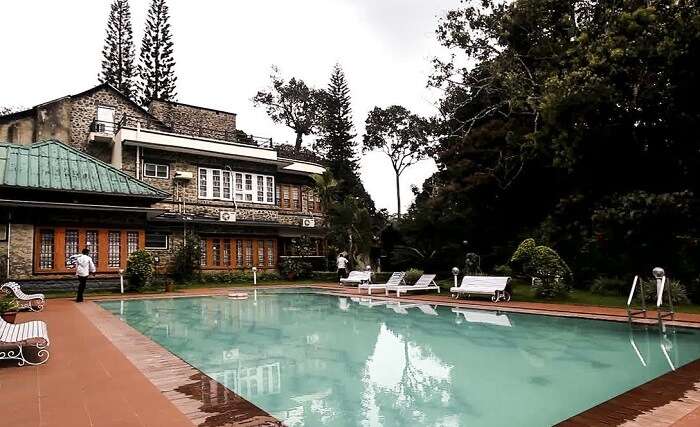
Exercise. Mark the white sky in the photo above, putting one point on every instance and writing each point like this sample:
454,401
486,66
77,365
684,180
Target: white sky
224,50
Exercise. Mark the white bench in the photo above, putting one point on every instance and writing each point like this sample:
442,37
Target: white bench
396,279
14,337
34,302
357,277
483,285
426,282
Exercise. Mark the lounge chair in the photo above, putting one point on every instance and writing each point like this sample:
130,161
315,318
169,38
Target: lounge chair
357,277
33,302
14,337
396,279
483,285
426,282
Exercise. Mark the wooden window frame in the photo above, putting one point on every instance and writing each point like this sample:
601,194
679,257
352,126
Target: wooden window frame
285,203
236,252
59,246
157,166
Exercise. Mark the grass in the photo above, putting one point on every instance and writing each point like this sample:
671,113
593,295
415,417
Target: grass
523,292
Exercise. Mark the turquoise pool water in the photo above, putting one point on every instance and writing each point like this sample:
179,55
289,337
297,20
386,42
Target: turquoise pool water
319,360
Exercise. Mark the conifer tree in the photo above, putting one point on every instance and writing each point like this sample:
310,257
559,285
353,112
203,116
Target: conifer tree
118,50
157,65
337,139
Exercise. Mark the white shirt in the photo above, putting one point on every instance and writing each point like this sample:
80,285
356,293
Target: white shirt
84,265
342,262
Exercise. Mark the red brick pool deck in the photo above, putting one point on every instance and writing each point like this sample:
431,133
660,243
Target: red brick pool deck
104,373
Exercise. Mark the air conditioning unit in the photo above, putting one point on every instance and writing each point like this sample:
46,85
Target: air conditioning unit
308,222
227,216
183,175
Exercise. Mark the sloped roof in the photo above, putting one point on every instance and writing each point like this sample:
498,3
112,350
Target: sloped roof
52,165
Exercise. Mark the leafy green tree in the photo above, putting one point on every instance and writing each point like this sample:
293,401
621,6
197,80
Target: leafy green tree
118,50
157,64
139,269
401,135
291,103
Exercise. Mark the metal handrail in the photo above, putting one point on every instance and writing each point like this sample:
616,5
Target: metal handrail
630,311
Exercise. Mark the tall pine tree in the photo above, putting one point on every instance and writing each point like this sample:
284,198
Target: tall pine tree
337,139
157,66
118,51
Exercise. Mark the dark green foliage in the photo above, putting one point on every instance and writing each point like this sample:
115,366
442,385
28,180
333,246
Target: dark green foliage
239,277
187,263
295,269
412,276
8,303
118,51
552,276
503,270
337,139
139,269
611,286
157,65
678,292
325,276
291,103
574,124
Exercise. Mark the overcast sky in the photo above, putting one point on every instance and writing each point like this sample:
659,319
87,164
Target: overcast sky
224,50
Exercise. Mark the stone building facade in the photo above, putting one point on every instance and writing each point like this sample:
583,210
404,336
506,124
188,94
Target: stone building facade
240,200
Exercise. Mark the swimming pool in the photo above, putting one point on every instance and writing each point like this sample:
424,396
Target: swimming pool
320,360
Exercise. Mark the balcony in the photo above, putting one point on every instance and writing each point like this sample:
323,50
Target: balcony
101,131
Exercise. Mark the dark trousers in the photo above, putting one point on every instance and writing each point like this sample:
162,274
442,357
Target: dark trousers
82,281
342,273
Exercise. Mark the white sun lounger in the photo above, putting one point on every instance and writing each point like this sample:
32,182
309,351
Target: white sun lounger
482,316
483,285
34,302
426,282
357,277
396,279
369,302
14,337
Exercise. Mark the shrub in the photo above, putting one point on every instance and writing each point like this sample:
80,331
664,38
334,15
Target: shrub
186,265
268,276
552,275
295,268
412,276
610,286
325,276
678,292
503,270
8,303
139,269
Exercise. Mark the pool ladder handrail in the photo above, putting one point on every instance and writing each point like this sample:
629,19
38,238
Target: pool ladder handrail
631,311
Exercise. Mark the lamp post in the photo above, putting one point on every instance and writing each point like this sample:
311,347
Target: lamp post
255,275
121,280
455,272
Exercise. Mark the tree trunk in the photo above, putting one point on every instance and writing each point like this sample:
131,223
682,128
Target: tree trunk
297,145
398,197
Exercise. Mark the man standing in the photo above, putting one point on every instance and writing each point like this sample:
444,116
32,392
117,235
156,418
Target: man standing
83,267
342,264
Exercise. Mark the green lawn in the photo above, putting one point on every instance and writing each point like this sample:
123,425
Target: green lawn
523,292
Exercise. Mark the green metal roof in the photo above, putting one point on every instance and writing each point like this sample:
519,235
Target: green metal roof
52,165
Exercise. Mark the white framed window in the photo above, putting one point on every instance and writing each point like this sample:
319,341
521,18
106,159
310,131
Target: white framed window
155,170
223,184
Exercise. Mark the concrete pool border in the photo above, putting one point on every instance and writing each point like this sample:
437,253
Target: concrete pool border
671,399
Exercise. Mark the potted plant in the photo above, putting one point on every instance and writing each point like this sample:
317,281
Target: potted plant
8,308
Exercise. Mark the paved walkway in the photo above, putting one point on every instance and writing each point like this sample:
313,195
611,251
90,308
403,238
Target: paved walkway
86,382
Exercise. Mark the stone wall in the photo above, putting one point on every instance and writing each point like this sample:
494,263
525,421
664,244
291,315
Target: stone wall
189,119
17,130
21,251
52,121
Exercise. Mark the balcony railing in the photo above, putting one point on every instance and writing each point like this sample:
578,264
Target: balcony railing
102,126
236,136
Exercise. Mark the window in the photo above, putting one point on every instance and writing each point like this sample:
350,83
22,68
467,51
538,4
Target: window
92,244
132,242
71,246
261,189
314,202
221,184
203,252
54,246
154,170
105,119
225,253
155,240
113,249
46,250
290,197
